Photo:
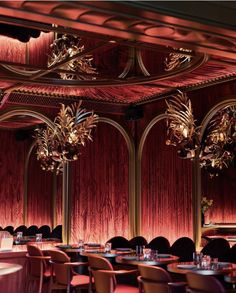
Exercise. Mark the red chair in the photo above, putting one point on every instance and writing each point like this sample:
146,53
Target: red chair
64,276
38,267
198,283
155,279
105,277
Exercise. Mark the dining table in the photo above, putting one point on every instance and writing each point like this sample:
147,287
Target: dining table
222,268
95,251
159,260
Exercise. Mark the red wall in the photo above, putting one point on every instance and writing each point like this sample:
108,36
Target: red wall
12,158
99,182
166,189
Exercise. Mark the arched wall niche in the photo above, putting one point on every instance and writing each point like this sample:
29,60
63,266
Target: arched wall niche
221,189
22,214
103,186
164,186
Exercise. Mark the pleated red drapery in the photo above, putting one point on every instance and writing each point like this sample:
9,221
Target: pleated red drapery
99,188
166,199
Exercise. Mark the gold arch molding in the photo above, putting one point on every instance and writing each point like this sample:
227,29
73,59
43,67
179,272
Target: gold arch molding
138,176
226,103
66,214
230,101
26,112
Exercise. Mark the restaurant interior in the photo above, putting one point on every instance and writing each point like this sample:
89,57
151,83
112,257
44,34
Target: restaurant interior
118,120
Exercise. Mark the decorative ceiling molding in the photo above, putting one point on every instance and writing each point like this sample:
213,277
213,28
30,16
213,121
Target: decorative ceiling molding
127,21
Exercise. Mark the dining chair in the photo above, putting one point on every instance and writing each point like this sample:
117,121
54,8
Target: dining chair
156,279
32,230
198,283
9,229
160,243
232,254
45,231
57,232
137,241
119,242
105,276
217,248
184,248
38,267
21,228
63,274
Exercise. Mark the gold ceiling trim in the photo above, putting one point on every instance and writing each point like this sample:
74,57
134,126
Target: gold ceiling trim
40,79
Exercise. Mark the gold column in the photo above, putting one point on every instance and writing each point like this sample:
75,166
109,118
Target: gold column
54,198
25,196
66,204
196,202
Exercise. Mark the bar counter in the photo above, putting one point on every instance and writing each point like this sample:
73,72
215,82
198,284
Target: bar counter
15,282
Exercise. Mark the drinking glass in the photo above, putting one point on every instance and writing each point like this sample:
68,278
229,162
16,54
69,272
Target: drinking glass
81,244
19,236
214,263
107,247
206,262
197,258
147,253
154,254
39,237
139,250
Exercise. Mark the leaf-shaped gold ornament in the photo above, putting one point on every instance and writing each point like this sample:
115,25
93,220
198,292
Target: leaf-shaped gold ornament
182,131
73,127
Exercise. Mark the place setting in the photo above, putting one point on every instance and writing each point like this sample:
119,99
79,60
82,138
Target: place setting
144,255
202,264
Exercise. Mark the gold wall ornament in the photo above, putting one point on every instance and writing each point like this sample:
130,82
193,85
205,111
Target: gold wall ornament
219,145
181,129
66,47
72,129
176,60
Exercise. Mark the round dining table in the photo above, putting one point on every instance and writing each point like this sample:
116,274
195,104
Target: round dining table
222,268
9,268
161,259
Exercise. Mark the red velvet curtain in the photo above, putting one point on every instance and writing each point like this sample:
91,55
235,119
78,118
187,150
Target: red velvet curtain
12,158
12,50
100,188
40,191
166,189
38,49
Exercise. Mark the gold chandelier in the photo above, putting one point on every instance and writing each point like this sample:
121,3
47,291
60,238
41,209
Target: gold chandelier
66,47
72,129
218,148
182,131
